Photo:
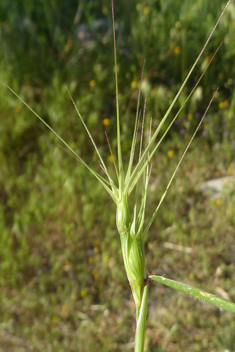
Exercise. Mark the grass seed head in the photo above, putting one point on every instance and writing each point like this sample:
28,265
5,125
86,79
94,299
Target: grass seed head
123,215
134,260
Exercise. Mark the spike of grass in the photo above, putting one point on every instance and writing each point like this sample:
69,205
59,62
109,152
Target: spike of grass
130,226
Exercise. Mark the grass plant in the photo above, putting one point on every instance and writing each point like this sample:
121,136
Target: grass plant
135,178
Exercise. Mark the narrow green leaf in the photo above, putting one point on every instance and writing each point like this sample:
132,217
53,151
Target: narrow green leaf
195,292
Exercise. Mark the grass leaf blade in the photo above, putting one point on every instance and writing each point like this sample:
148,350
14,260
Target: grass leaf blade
195,292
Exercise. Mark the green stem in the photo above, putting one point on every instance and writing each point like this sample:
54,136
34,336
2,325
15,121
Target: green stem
137,313
141,321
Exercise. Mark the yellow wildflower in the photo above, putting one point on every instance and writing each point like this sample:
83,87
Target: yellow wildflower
83,293
64,307
96,249
134,84
105,10
106,122
226,102
91,260
189,117
111,158
95,274
170,153
92,83
177,50
146,10
221,105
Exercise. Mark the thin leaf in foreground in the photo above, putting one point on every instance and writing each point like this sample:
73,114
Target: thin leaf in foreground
195,292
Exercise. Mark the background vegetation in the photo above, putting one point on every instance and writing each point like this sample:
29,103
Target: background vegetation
63,285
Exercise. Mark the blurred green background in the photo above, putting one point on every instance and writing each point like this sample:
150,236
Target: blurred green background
63,285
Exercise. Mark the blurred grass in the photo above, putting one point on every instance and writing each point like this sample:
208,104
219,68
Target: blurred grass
63,285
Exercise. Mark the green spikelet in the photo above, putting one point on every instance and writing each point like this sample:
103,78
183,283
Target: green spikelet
132,243
123,215
134,261
132,250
